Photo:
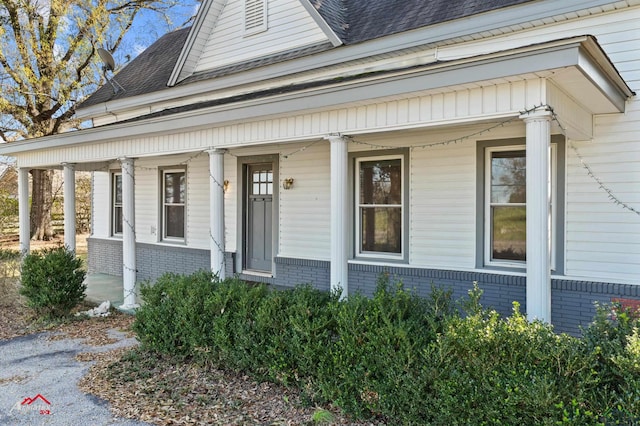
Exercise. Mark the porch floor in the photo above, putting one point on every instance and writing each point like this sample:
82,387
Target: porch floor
101,287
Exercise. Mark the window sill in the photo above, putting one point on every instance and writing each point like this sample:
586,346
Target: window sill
172,243
257,273
378,261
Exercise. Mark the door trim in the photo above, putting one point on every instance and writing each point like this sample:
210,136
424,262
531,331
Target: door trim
243,165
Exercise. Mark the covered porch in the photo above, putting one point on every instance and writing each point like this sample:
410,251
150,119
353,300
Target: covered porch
554,88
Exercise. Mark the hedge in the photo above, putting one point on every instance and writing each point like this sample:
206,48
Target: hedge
399,358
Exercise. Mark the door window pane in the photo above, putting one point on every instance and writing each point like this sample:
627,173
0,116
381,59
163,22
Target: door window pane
262,182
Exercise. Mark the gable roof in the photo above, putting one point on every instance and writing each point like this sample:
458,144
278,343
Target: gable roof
353,21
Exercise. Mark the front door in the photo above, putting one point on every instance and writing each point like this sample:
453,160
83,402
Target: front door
259,212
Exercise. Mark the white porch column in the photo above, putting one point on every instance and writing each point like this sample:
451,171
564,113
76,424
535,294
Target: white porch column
128,233
339,214
69,175
216,211
538,151
23,211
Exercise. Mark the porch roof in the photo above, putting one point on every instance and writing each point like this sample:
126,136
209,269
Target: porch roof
578,66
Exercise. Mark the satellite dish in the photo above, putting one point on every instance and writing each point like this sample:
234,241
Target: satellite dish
109,65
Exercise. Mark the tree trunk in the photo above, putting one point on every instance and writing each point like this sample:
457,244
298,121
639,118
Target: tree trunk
41,202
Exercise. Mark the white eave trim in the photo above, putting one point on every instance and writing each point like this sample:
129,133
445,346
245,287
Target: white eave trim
201,17
331,35
597,67
557,55
431,35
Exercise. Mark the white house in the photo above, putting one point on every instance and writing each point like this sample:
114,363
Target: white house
329,141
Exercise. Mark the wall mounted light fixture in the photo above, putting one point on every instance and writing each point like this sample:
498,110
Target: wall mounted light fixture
287,183
225,185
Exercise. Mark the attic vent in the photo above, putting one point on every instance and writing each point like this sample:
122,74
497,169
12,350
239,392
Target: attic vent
255,16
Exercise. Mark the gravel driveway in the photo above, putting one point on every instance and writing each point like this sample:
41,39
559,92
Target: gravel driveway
39,383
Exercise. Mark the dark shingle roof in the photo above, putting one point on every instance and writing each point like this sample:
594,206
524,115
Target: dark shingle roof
368,19
353,21
148,72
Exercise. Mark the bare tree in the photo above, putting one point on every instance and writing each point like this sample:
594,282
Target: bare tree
47,51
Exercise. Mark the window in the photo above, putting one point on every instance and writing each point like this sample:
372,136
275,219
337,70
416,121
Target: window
174,190
380,206
255,16
505,206
116,204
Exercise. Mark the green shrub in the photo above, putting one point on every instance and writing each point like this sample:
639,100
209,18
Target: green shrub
371,366
401,358
52,282
274,335
613,344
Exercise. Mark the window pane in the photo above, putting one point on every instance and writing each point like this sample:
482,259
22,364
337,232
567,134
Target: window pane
508,177
174,187
381,182
117,220
117,185
174,221
381,229
509,233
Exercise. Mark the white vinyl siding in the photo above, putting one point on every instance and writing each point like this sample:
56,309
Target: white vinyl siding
442,197
290,26
305,210
230,202
100,204
603,238
198,201
147,203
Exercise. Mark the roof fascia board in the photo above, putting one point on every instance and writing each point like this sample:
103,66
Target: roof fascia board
523,61
331,35
201,17
409,39
596,66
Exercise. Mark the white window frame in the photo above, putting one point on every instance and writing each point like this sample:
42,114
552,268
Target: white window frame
358,230
164,204
255,17
115,205
553,189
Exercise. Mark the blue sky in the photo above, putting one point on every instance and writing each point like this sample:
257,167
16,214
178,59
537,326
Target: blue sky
149,26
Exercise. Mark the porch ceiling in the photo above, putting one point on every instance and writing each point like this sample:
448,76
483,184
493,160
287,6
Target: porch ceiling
577,66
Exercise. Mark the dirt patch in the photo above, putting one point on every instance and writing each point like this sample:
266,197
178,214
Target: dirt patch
162,391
